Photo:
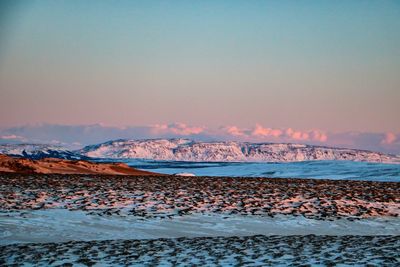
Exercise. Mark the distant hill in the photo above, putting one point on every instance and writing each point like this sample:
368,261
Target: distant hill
189,150
39,151
62,166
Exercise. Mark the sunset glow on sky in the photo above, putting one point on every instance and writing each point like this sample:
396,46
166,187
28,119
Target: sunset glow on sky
254,70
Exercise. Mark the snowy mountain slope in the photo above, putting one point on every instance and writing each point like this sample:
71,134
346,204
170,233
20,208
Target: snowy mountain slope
39,151
188,150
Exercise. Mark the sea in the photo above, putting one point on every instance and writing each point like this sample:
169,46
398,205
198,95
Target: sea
335,170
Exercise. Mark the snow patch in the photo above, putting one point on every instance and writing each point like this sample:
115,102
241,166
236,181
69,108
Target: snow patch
187,150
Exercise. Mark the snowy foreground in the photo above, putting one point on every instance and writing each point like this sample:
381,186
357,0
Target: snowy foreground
213,251
59,236
60,225
84,220
171,196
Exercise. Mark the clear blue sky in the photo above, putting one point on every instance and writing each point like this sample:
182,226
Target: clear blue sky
331,65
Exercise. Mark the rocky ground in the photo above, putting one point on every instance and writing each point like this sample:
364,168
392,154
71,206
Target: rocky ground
163,198
213,251
167,196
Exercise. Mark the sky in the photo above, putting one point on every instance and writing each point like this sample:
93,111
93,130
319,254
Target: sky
309,71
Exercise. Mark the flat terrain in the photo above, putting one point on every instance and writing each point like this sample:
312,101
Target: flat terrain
168,196
83,219
213,251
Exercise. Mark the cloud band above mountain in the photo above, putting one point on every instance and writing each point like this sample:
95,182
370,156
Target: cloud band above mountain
76,136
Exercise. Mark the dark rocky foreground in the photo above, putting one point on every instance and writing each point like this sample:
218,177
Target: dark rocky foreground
167,196
212,251
164,197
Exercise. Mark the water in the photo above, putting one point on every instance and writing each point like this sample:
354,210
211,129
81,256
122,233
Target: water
336,170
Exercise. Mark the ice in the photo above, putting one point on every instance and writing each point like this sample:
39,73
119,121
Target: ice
184,174
336,170
60,225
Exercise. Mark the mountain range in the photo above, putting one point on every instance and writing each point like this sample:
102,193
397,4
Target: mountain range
189,150
39,151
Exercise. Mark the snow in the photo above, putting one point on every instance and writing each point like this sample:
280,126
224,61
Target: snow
39,151
92,215
169,196
188,150
257,250
184,174
61,225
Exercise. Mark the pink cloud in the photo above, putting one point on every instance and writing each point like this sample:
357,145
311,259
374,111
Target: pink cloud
261,131
276,132
12,137
235,131
319,136
312,135
176,128
389,138
289,131
298,135
96,133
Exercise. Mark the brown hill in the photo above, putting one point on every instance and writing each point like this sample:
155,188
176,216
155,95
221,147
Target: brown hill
62,166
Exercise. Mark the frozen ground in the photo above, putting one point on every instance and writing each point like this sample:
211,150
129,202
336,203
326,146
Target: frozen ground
336,170
170,196
171,220
213,251
60,225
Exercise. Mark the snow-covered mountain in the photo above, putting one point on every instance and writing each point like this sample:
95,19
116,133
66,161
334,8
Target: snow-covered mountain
39,151
188,150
